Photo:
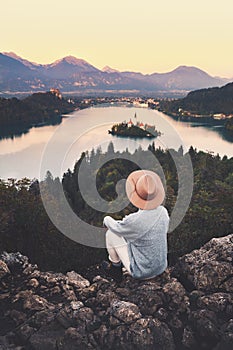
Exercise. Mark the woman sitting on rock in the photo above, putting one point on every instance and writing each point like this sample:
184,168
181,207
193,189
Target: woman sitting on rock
139,241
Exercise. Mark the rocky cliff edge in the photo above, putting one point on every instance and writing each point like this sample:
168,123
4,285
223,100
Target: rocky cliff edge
190,306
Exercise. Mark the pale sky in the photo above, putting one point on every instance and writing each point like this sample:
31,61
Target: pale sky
147,36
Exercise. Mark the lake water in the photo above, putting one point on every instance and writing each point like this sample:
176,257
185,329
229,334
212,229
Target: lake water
56,148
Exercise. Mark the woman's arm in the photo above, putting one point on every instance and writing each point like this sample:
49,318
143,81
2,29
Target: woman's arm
125,227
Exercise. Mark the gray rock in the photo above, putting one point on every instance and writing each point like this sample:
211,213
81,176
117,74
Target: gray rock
163,338
140,334
76,305
77,280
175,295
218,303
188,307
68,317
209,267
227,336
17,317
74,340
151,303
31,301
33,283
43,318
3,269
24,332
45,340
88,292
124,311
188,339
68,292
101,336
105,298
204,324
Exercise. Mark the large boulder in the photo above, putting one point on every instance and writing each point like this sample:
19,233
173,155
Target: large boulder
209,268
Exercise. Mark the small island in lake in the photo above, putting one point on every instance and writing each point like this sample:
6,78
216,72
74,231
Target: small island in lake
137,130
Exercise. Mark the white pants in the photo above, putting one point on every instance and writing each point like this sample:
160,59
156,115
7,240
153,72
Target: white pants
117,249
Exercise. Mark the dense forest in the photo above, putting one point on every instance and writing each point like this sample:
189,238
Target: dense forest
205,101
37,108
25,226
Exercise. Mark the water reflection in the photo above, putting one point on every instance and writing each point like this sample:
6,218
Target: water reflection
21,150
13,132
17,130
223,133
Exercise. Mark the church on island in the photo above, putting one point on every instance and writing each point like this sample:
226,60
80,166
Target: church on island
135,129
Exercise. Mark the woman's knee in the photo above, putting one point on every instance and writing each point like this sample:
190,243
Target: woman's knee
114,240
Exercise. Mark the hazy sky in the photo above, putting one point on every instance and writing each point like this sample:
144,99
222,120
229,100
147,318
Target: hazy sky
147,36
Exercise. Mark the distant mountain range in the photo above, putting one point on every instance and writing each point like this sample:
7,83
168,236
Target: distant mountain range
73,75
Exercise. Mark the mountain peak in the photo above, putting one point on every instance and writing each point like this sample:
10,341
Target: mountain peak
20,59
108,69
188,69
183,67
70,60
12,55
74,60
74,63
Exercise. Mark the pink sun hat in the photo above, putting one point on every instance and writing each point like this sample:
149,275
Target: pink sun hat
144,189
